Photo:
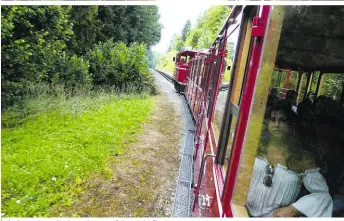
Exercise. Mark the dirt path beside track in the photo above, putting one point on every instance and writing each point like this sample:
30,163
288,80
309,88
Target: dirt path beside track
140,182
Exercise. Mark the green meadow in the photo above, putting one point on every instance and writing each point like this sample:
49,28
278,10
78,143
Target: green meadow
53,144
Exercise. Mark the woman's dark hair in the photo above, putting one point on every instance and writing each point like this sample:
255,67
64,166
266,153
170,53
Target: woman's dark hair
283,107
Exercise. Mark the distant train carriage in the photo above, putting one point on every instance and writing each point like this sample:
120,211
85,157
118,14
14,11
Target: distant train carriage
267,100
183,63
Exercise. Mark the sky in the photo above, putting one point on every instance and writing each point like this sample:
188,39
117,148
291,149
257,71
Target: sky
173,17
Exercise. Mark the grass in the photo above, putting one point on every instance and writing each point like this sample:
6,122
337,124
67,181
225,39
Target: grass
142,179
48,151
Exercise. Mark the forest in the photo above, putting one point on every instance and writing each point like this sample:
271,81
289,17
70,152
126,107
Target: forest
74,46
75,91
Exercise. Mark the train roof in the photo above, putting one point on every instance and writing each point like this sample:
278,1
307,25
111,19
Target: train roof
304,46
190,52
309,45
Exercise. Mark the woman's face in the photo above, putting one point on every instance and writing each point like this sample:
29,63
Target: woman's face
277,124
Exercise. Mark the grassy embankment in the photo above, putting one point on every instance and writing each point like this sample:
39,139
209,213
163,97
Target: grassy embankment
166,62
51,145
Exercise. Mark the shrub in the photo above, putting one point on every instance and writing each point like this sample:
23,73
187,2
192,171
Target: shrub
72,71
32,38
38,44
119,66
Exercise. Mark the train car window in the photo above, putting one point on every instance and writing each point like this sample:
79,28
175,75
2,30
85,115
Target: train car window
283,81
194,81
199,71
199,79
198,89
291,163
242,57
303,87
234,89
231,46
233,124
220,105
190,77
184,59
278,79
292,83
332,87
194,70
313,85
191,61
207,78
204,74
214,76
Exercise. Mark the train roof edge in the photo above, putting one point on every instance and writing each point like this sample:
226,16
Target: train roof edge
189,50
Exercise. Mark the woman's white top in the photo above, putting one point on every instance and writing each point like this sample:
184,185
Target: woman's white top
263,200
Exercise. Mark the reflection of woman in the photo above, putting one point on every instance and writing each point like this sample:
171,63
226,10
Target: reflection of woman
277,179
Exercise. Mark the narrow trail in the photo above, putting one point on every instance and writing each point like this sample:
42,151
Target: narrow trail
140,182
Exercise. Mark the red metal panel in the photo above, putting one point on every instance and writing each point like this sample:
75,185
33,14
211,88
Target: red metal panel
209,180
245,107
181,72
182,69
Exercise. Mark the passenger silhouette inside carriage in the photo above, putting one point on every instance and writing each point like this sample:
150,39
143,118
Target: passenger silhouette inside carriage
273,97
305,147
278,171
329,148
322,123
291,96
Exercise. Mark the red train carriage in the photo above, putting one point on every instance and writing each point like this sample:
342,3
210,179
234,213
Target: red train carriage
182,62
276,128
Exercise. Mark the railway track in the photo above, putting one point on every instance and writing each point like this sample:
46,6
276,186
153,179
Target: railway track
165,75
183,194
178,86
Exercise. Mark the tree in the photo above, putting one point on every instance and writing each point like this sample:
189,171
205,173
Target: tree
153,58
113,23
85,27
177,43
170,46
50,44
186,30
207,27
32,39
193,37
144,25
129,24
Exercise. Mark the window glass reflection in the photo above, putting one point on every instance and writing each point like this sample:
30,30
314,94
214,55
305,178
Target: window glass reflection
293,150
221,97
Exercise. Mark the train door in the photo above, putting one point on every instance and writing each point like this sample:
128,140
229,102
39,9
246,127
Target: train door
205,191
278,153
210,180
